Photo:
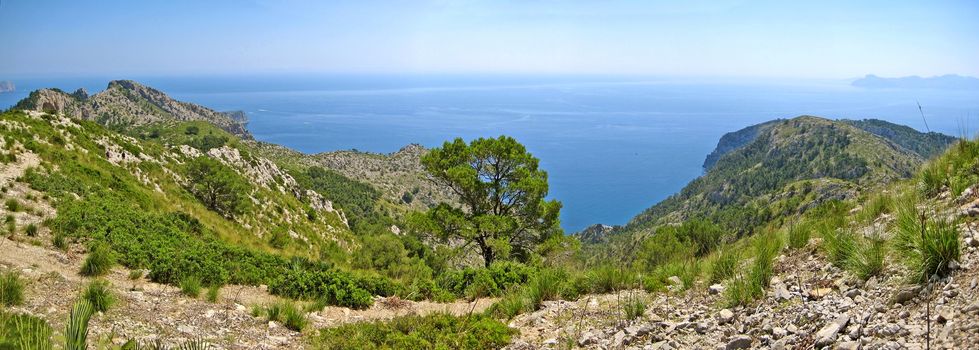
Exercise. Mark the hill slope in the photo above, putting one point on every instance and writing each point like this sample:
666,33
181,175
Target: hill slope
786,166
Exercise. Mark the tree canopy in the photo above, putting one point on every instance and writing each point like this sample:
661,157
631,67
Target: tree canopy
503,212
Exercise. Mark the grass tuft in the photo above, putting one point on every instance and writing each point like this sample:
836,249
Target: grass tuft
11,289
724,265
190,286
98,294
99,261
928,247
76,329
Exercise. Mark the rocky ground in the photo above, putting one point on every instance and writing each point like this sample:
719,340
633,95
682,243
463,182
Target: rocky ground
810,304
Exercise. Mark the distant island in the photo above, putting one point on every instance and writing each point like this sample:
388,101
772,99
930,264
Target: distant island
7,86
945,82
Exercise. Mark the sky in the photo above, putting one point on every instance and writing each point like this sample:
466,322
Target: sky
722,38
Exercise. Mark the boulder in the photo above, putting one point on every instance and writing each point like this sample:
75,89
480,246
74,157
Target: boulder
827,335
739,342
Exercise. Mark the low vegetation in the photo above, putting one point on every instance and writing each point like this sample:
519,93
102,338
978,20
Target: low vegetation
435,331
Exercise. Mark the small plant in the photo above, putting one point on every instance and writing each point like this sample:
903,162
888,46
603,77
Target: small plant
12,205
135,274
293,318
724,265
867,259
213,292
99,295
745,288
58,241
274,311
545,286
31,230
11,289
509,306
99,261
190,286
633,307
76,329
257,311
798,235
838,245
873,208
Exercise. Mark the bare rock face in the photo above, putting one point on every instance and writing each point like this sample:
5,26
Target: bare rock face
125,102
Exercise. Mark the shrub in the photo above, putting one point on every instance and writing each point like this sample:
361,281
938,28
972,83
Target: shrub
274,311
724,265
135,274
213,292
99,295
336,287
434,331
76,329
11,289
190,286
99,261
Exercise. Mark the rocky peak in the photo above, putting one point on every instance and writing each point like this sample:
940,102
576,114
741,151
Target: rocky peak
126,102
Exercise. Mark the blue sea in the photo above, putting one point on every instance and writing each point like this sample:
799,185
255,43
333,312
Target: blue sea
612,145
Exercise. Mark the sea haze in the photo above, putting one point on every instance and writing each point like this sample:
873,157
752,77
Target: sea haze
612,146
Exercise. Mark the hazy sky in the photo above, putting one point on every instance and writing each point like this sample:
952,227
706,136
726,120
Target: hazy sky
826,39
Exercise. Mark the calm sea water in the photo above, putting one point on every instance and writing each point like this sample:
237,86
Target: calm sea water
612,146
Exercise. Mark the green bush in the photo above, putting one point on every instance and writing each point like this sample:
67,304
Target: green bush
435,331
874,207
610,278
58,241
190,286
338,288
99,261
98,294
491,281
11,289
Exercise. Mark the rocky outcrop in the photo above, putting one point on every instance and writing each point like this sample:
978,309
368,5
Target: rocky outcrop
734,140
597,233
125,102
